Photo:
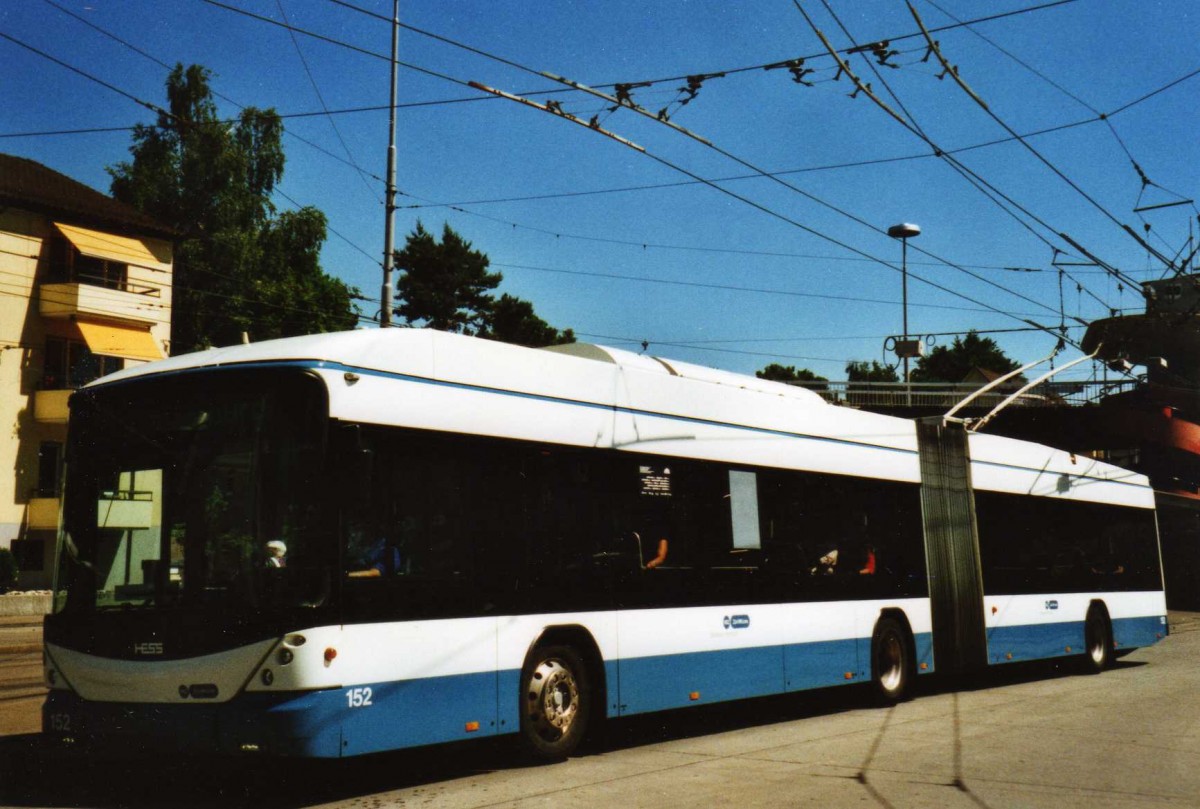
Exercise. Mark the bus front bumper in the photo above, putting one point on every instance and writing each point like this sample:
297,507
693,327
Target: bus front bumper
303,725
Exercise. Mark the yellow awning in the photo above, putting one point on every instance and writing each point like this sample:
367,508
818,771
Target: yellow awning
97,244
119,341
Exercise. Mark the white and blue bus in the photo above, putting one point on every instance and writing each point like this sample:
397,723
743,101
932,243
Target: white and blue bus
340,544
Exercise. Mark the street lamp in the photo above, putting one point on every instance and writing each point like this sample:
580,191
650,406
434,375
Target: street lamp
905,231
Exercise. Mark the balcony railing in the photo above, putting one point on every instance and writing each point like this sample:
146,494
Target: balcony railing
50,406
126,302
125,509
42,513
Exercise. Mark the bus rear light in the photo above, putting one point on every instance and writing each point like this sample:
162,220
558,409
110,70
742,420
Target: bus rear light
924,667
285,656
849,675
471,727
330,654
294,640
695,695
1008,656
1068,650
268,677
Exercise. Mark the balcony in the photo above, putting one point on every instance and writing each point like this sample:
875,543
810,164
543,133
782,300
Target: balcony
50,406
129,303
125,510
42,513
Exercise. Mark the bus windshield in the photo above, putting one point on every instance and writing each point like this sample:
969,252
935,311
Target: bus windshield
200,491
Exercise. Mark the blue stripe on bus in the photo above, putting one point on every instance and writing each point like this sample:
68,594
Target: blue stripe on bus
419,712
1142,631
351,721
1012,644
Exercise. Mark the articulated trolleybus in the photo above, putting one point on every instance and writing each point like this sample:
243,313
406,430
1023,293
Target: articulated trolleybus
340,544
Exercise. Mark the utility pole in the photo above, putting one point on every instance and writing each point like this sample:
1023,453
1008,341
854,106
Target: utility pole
389,260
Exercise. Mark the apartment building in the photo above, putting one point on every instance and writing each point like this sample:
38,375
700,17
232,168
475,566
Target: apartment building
85,290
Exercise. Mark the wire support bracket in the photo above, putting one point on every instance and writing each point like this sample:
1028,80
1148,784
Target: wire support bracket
553,108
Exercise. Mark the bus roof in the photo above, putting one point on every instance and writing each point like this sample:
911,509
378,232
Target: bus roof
405,351
671,403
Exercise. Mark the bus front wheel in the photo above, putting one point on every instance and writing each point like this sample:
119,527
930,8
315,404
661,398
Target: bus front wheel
555,702
891,661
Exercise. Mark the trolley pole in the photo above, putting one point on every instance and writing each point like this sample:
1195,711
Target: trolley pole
389,259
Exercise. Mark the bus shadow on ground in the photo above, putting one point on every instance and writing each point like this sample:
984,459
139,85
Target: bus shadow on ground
34,774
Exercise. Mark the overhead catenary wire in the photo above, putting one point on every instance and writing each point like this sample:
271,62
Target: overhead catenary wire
812,231
321,99
859,259
1005,126
741,288
701,180
987,189
167,66
796,189
685,77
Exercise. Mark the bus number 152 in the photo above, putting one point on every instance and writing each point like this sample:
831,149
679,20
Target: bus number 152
358,697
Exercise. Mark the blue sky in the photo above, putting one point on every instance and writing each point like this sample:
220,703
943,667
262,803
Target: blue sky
627,247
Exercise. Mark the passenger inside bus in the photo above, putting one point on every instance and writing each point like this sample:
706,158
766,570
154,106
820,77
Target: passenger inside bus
827,564
660,557
276,553
381,559
868,568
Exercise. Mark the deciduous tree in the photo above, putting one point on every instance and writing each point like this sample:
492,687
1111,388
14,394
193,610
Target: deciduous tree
873,371
238,266
789,373
952,363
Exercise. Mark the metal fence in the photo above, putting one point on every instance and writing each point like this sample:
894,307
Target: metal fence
945,395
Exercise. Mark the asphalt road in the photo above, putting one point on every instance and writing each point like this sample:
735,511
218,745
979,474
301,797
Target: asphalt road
1027,736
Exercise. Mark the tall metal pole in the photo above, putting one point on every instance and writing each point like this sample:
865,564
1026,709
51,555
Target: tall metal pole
389,260
904,301
904,232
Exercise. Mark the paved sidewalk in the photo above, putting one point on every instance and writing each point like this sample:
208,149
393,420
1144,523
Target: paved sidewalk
20,634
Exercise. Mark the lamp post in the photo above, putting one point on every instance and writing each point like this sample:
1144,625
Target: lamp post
905,231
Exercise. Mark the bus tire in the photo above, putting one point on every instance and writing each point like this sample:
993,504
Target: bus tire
1097,640
556,702
891,661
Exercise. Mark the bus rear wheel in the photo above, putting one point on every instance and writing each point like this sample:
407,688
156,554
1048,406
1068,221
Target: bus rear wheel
1097,640
891,661
556,701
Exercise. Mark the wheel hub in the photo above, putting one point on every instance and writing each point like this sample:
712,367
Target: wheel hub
891,661
552,699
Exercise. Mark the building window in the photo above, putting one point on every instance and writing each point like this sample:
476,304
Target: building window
68,265
70,364
49,479
30,554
